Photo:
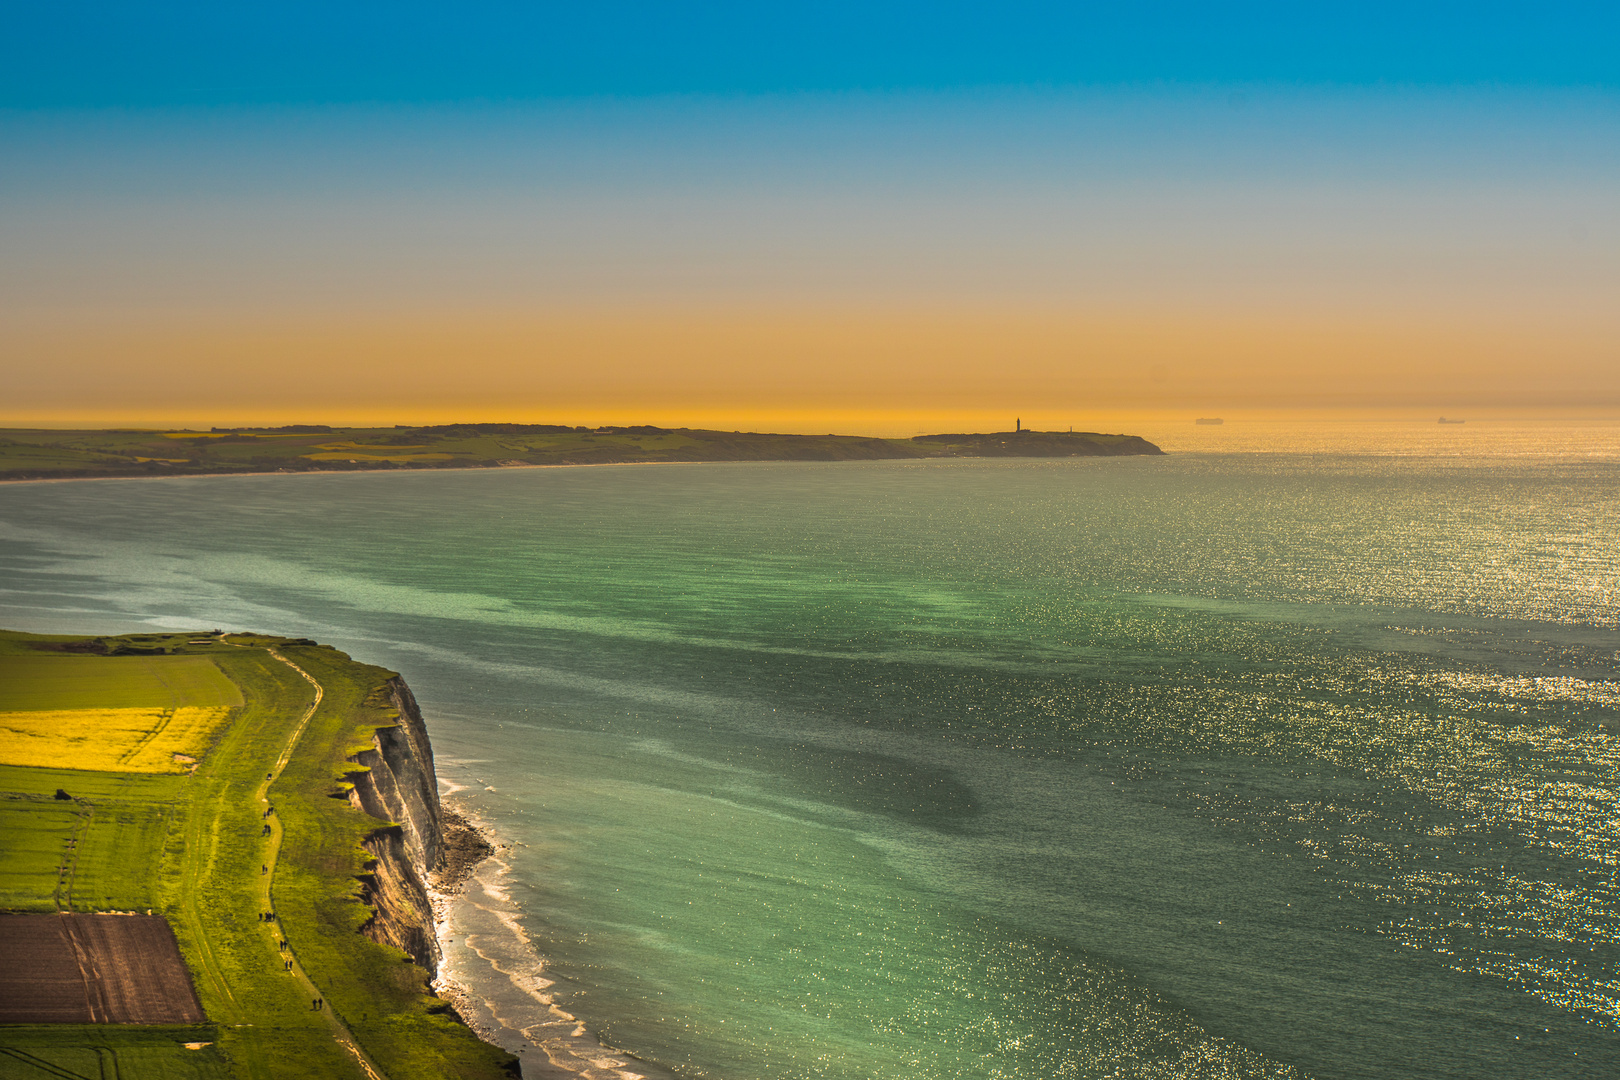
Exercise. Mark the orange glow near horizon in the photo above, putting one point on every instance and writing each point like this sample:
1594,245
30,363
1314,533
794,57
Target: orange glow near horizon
796,369
873,264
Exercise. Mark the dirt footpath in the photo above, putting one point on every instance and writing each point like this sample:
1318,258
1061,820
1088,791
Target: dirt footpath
93,969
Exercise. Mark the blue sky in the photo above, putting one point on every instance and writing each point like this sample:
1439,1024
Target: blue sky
803,215
224,52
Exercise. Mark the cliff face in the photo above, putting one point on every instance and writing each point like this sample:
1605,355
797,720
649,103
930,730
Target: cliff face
399,786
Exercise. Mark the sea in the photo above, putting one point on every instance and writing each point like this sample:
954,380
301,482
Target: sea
1292,753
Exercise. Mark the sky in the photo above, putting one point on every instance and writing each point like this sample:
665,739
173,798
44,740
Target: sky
873,218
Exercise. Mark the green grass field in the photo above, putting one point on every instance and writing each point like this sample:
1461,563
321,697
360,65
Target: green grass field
96,1051
111,713
191,847
63,681
34,838
100,852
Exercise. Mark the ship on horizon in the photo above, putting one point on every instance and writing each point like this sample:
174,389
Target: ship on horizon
1443,420
1209,420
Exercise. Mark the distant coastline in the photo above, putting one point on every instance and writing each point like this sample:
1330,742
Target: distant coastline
33,454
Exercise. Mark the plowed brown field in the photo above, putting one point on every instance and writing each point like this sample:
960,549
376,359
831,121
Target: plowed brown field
97,969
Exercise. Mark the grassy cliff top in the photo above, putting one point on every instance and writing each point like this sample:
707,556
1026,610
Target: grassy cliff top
45,454
255,821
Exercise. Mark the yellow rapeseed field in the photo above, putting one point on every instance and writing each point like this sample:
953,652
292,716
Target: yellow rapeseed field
147,740
111,713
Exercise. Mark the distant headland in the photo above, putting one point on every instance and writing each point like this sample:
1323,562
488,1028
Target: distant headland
45,454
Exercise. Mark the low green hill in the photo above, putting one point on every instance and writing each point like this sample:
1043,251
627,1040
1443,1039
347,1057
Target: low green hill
40,454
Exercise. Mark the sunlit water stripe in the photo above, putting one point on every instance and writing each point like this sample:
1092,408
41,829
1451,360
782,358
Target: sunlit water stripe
1185,767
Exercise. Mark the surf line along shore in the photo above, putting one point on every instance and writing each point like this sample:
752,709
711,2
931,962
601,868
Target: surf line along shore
270,800
492,971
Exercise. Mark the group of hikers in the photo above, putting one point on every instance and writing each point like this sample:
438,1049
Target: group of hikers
315,1004
282,944
270,916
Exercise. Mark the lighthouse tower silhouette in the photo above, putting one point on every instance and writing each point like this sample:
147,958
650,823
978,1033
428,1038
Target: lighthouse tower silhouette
1018,425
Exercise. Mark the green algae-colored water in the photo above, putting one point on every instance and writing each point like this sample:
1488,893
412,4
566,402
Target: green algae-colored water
1213,765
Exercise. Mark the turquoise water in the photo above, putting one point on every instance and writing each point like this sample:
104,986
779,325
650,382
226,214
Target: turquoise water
1213,765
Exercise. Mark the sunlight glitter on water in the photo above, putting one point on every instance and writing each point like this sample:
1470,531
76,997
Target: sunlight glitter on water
1219,764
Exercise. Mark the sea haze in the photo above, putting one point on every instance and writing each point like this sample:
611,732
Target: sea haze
1209,765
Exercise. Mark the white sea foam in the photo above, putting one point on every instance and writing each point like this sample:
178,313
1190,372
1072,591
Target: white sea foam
497,979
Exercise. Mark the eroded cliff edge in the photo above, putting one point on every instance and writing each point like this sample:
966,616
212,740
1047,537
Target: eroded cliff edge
397,784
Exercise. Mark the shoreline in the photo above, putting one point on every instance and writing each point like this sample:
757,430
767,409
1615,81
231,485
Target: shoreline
466,846
517,468
30,455
477,926
347,472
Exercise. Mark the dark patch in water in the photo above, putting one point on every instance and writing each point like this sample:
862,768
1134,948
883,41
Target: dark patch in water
865,782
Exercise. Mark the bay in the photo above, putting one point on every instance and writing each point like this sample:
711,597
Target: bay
1228,763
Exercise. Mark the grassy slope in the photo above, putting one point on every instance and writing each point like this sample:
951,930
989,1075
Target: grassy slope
191,847
26,453
379,993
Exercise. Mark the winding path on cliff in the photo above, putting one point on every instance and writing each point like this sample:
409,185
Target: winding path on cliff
340,1031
